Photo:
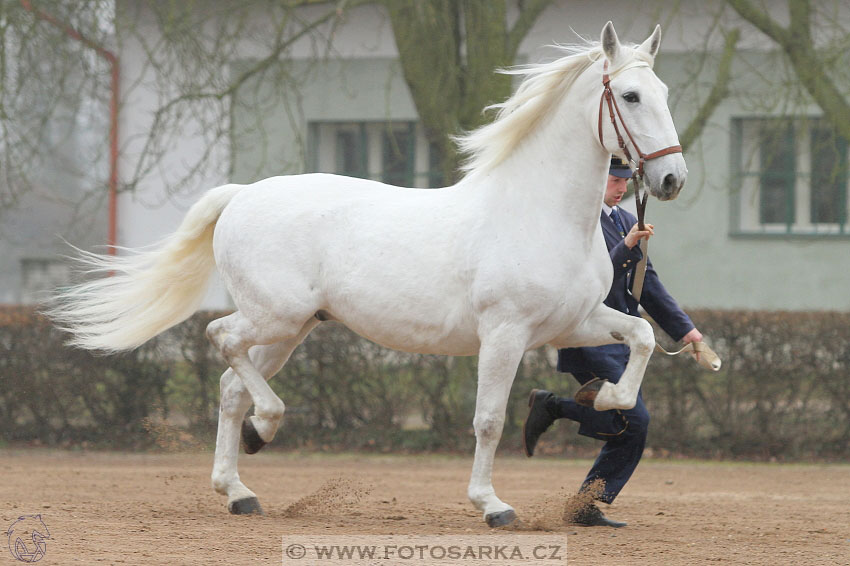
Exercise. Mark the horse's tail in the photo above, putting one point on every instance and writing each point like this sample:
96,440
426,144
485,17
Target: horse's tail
146,292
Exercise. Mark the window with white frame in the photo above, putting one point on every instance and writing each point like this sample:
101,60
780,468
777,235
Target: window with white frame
793,177
396,153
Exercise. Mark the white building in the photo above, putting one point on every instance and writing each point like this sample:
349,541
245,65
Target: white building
761,223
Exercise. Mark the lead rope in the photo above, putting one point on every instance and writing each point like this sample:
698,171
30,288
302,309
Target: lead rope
707,358
640,268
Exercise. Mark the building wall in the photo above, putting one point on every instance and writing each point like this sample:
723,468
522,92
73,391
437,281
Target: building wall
704,260
703,263
54,204
700,259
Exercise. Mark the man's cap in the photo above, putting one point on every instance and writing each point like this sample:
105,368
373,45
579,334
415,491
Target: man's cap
619,168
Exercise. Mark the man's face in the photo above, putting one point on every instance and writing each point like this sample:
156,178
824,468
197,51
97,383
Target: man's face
614,190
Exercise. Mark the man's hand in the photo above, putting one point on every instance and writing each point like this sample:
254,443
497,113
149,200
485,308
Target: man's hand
693,336
634,235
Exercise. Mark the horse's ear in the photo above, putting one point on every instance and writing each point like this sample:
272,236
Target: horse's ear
610,43
652,43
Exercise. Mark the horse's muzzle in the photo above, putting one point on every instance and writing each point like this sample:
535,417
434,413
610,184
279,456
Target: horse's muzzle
671,186
666,182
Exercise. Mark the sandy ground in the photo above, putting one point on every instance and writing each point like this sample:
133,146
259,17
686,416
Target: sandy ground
111,508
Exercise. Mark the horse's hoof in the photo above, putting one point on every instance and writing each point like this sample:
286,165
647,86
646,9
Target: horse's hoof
501,518
251,441
247,506
586,395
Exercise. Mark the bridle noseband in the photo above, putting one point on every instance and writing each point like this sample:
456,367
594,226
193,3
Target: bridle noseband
614,114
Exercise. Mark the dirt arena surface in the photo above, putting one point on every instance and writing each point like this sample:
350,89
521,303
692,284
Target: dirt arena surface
151,509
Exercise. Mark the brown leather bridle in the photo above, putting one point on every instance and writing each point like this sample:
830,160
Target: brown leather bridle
614,114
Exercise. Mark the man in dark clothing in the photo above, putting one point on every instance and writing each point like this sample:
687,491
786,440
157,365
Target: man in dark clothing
624,431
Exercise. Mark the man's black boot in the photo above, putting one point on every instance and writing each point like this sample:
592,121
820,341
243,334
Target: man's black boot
539,419
591,516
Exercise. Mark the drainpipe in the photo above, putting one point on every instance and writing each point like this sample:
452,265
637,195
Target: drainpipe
112,59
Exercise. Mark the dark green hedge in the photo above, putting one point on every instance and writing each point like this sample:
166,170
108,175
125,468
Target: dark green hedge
783,392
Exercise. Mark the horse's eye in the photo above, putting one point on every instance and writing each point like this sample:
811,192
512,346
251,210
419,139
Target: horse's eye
631,97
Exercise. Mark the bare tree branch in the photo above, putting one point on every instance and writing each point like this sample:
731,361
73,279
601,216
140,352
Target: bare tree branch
530,11
719,91
760,19
282,43
806,60
467,41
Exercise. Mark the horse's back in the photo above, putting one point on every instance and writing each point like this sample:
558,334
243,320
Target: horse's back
321,194
336,208
389,262
411,269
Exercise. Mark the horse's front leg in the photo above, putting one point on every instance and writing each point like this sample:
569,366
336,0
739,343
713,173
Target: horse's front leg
498,359
608,326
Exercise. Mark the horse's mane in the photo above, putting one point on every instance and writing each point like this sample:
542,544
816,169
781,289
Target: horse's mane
541,89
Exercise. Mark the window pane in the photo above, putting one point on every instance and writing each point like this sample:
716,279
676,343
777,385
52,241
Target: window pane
398,157
829,176
776,193
350,154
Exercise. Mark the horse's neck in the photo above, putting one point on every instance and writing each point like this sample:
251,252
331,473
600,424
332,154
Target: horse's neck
560,169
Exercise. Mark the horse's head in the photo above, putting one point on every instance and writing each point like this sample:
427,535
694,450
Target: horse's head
638,101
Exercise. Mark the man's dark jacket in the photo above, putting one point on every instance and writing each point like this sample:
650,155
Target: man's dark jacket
654,299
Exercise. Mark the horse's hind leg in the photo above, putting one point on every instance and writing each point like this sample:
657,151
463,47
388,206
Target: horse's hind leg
235,401
234,335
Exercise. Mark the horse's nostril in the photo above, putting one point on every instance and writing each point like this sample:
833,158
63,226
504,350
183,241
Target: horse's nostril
669,182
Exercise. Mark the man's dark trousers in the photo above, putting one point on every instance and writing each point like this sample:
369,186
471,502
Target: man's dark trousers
623,430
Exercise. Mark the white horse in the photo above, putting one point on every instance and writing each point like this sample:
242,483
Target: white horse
509,259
